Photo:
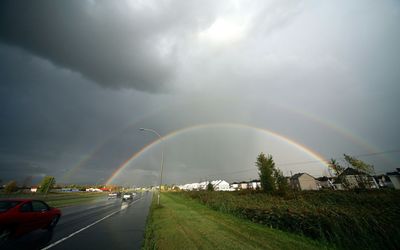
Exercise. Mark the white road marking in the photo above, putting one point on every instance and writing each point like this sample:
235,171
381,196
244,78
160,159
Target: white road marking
80,230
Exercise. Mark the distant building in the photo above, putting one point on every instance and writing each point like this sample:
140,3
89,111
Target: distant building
325,182
68,190
93,190
243,185
383,181
254,184
219,185
395,178
34,189
352,178
303,181
235,185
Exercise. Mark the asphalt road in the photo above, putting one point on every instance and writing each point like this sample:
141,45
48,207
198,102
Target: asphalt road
107,224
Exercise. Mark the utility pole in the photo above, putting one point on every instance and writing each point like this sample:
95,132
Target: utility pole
162,160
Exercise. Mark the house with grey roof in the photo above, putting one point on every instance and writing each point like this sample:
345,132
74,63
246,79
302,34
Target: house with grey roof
303,181
395,178
352,178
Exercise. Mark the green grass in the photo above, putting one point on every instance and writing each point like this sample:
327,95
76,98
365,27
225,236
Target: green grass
366,219
60,199
182,223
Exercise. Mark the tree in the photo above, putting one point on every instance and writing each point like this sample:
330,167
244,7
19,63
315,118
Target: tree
362,167
10,187
334,165
210,186
359,164
281,181
266,168
47,184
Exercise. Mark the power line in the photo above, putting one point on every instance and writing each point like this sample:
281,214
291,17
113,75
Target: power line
379,153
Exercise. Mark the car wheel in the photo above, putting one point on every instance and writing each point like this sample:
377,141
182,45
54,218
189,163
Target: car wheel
5,234
53,222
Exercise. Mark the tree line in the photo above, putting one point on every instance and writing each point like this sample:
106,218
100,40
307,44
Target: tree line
273,181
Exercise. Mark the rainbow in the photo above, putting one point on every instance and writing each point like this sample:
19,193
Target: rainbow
327,124
137,154
357,140
87,157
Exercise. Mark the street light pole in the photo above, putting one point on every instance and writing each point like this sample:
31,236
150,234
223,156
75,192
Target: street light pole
48,187
162,159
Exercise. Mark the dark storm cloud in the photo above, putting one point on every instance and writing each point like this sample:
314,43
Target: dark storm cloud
53,119
28,168
116,44
317,72
25,172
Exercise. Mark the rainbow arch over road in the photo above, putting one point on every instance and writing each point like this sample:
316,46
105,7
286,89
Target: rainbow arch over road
175,133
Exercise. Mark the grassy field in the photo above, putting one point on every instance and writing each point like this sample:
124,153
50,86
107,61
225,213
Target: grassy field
60,199
363,219
182,223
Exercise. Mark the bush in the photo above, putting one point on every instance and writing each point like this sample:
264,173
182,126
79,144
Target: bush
346,219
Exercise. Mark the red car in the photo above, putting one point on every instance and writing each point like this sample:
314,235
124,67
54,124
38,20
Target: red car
19,216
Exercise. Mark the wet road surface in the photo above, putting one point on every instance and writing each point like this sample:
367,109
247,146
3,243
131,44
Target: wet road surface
108,224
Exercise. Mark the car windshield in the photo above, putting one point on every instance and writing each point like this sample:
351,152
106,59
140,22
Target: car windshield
6,205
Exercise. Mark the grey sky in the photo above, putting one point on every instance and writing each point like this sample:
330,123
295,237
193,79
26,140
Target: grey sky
78,78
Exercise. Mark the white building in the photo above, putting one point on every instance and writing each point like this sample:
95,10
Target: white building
352,178
219,185
235,185
93,190
255,184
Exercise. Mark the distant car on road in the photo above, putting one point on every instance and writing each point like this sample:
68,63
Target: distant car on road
127,196
112,196
20,216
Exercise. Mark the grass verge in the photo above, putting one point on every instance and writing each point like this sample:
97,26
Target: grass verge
366,219
182,223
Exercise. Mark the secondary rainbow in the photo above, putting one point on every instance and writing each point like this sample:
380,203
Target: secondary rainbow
137,154
351,136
